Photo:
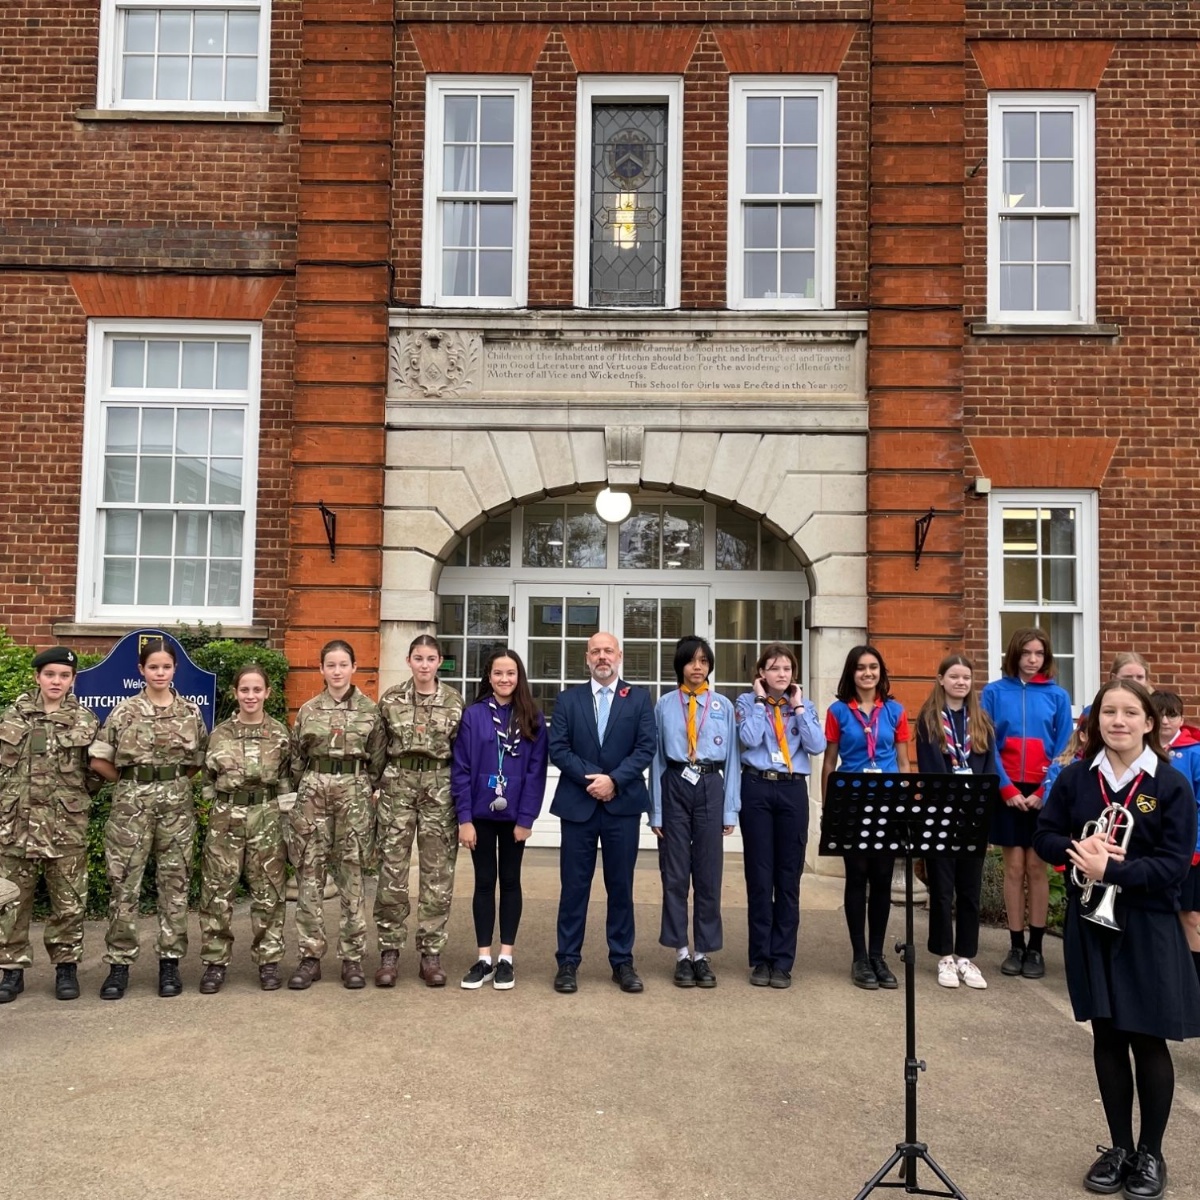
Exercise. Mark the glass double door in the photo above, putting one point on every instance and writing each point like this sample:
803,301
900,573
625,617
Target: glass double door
553,625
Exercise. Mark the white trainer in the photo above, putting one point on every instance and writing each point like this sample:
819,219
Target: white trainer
947,972
970,974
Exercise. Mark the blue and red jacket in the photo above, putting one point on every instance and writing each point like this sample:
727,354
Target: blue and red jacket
1184,753
1033,725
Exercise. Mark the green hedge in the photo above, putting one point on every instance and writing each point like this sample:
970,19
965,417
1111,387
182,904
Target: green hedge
991,907
207,649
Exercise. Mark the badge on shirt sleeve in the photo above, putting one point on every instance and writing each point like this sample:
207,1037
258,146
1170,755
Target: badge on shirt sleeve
716,706
1146,804
718,740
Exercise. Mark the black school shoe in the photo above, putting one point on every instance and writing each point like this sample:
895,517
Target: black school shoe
1147,1177
1034,966
863,976
760,976
1014,962
883,972
685,973
705,976
1109,1172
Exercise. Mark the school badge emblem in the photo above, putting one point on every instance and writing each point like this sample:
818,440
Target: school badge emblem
1146,804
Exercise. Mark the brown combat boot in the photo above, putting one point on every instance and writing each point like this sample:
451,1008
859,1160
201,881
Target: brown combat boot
268,977
308,971
389,969
352,974
211,980
431,970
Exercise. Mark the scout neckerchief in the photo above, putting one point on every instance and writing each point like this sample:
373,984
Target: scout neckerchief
693,732
870,727
507,743
959,752
777,705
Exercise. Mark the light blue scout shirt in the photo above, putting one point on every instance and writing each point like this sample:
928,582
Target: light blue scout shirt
716,742
756,729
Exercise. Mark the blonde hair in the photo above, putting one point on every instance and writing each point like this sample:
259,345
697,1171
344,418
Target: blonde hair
1076,744
1127,658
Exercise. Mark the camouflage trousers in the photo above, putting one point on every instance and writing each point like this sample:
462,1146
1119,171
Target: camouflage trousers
158,819
415,804
331,831
243,839
66,881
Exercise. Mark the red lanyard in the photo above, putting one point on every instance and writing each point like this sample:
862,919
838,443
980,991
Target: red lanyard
870,729
1128,799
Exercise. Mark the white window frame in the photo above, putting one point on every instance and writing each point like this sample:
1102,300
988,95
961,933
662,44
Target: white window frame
1082,213
741,89
437,87
1087,606
628,89
108,88
88,608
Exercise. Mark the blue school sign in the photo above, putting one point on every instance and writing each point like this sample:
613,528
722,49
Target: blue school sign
102,687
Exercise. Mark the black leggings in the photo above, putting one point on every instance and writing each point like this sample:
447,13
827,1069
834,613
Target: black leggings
497,852
1155,1075
863,872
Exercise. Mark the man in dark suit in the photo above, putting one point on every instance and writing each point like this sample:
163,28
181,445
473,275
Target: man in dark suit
602,738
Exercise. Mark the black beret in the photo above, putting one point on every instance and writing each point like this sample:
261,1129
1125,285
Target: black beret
56,654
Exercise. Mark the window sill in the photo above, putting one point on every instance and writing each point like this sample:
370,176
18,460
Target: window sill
983,329
194,116
65,629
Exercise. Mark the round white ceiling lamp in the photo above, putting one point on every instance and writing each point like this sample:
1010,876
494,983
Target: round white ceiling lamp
614,507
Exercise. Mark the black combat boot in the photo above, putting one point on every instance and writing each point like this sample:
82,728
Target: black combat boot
169,983
12,984
66,983
113,988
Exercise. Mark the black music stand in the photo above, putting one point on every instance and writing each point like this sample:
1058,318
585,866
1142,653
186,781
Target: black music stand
893,814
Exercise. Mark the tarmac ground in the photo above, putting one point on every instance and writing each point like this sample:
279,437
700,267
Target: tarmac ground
416,1092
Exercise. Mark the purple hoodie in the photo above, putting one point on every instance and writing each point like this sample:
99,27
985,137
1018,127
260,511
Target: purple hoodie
475,760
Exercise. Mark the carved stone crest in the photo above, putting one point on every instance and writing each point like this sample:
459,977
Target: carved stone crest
433,363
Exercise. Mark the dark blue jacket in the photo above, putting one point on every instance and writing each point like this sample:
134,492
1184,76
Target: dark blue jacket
629,741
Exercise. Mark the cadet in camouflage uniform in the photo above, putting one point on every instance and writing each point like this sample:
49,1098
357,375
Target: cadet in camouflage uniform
45,793
421,716
245,772
338,755
151,745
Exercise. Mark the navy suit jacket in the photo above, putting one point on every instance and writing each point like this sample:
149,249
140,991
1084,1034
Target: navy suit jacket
575,749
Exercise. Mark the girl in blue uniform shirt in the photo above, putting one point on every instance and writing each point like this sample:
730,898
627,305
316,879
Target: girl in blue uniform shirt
695,789
955,737
778,730
1032,717
866,731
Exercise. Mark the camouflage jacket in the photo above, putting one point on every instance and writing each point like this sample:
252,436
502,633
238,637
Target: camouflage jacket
247,756
139,734
45,786
346,728
420,724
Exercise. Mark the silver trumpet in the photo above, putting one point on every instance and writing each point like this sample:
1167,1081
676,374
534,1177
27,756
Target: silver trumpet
1115,825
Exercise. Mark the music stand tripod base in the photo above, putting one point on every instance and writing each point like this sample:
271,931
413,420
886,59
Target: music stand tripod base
890,814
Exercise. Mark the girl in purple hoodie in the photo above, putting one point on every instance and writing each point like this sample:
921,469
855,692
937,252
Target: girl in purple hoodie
498,781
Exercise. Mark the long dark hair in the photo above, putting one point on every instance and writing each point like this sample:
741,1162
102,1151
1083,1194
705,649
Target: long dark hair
846,691
1017,643
156,645
529,719
1152,740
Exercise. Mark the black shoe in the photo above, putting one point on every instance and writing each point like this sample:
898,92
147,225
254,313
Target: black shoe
1109,1172
565,981
780,978
1034,966
66,982
12,984
760,976
702,969
863,975
1147,1179
113,988
169,983
883,972
627,977
685,973
1014,962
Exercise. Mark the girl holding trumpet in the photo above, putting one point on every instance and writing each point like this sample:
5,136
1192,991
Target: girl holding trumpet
1135,982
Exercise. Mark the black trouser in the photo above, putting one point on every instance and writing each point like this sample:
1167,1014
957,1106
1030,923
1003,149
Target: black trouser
774,823
863,872
497,853
691,853
954,884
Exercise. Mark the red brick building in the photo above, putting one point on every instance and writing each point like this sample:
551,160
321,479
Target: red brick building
790,275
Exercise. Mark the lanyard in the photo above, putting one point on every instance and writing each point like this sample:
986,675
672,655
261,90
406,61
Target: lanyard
959,751
683,707
779,727
505,743
870,729
1128,799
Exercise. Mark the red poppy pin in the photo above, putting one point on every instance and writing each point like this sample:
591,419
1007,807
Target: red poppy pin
623,692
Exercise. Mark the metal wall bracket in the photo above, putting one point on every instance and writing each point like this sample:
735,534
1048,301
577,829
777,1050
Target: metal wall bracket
921,532
329,518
